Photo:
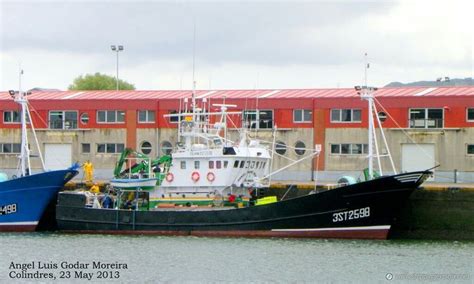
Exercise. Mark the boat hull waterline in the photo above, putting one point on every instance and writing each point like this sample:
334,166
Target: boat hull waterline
24,200
364,211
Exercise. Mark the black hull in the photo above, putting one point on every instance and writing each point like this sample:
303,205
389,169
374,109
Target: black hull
363,210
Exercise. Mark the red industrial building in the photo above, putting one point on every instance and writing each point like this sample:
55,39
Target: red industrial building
425,126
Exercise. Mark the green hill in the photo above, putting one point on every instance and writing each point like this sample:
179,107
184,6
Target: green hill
438,83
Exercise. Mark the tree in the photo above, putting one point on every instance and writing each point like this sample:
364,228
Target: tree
99,82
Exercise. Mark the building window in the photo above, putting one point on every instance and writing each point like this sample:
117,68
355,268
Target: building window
10,148
183,165
166,147
280,148
86,148
226,163
146,116
110,116
197,164
59,119
426,118
218,164
470,149
11,116
211,164
382,116
84,118
349,149
345,115
302,115
300,148
174,119
110,148
236,164
146,147
258,119
470,114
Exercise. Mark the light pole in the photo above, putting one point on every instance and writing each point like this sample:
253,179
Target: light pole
117,49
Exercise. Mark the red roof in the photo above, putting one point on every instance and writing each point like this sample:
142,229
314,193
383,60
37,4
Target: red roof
235,94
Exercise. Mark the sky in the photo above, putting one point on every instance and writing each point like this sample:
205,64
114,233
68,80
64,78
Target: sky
235,44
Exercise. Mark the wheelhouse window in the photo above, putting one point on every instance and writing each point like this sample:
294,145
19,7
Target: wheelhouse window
470,114
11,116
426,118
146,116
302,115
59,119
110,116
10,148
110,148
349,149
258,119
346,115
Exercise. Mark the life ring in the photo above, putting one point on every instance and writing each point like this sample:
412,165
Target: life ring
169,177
210,176
195,176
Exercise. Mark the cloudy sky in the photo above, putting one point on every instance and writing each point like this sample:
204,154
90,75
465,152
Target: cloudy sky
239,45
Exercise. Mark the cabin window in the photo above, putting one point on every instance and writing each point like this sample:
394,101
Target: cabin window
197,164
211,164
302,115
426,118
242,164
236,164
10,148
470,114
146,147
264,164
59,119
11,116
110,116
226,163
258,165
166,147
300,148
86,148
247,164
280,147
345,115
110,148
146,116
258,119
183,165
470,149
252,165
218,164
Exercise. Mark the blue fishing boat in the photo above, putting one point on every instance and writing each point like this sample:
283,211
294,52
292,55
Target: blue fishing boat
24,198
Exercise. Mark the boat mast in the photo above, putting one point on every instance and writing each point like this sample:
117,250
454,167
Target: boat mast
25,164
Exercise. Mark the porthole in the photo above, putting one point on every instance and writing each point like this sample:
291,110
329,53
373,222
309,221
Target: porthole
146,147
166,147
84,118
280,147
382,116
300,148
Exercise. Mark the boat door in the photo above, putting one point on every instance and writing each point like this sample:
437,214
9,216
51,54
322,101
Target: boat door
417,157
57,156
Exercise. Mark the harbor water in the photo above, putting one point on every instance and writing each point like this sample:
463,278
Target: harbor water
65,258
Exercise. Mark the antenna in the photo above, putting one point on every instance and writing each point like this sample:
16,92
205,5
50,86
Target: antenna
366,66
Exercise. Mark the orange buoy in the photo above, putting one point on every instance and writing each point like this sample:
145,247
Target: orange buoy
210,176
195,176
169,177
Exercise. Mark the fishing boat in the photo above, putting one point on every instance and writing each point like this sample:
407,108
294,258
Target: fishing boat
24,198
208,189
